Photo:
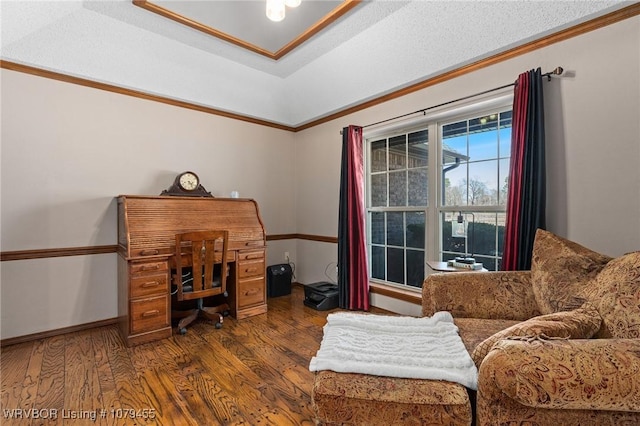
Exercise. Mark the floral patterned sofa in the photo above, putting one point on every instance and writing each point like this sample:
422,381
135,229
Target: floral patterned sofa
557,345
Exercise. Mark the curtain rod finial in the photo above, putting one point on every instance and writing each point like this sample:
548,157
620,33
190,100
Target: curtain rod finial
558,71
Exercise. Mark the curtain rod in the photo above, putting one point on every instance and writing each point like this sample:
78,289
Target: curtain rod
557,71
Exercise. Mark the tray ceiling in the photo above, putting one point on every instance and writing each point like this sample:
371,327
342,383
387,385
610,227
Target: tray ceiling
375,48
244,24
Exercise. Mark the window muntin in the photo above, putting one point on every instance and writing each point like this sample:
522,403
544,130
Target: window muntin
408,200
482,241
475,154
476,185
398,197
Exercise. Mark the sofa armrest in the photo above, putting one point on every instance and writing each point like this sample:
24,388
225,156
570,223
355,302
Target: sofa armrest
491,295
597,374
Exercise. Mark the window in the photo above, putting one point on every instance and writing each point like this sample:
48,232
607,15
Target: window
398,200
435,191
474,170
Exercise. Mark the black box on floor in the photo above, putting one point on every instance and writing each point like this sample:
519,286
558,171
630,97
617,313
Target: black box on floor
321,296
279,280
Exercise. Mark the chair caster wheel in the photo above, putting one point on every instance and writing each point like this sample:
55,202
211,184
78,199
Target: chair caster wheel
225,313
183,331
218,325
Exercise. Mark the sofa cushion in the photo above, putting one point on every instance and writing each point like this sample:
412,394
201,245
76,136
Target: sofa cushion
615,292
561,382
473,331
581,323
560,269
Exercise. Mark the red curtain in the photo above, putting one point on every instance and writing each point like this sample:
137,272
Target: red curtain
353,278
526,201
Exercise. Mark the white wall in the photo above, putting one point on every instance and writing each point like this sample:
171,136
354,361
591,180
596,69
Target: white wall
68,150
593,144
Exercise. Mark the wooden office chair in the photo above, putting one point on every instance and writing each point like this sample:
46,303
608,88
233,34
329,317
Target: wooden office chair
200,271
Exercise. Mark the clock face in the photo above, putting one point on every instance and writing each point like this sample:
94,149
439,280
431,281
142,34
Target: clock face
188,181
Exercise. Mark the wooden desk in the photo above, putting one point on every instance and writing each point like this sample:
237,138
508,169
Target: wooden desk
443,267
146,242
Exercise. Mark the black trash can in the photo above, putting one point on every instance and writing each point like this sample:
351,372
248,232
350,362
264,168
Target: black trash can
279,280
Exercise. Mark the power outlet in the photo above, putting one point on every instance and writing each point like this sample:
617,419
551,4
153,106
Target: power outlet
286,256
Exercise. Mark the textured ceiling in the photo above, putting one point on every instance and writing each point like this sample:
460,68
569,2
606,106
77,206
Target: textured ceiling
245,20
378,47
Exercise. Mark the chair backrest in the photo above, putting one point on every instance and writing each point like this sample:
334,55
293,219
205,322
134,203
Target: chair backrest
197,250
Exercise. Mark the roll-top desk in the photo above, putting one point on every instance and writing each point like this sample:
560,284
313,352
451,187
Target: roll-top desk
147,227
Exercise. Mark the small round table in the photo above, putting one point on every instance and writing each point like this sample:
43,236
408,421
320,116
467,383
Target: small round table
438,266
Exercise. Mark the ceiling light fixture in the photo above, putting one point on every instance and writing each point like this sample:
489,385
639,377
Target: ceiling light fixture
276,8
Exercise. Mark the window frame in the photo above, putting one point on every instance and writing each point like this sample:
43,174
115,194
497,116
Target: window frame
432,121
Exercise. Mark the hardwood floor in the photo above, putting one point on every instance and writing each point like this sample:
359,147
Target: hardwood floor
249,372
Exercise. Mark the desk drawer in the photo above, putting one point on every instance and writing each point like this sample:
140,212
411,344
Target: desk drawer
250,256
145,252
251,292
246,245
251,269
149,314
149,285
148,267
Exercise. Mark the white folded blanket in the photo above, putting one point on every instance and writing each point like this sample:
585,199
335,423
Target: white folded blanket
420,348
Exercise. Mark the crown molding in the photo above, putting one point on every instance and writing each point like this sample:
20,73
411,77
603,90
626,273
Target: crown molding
583,28
40,72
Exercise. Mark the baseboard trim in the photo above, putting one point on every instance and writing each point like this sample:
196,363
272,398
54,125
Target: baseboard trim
391,292
56,332
395,293
80,327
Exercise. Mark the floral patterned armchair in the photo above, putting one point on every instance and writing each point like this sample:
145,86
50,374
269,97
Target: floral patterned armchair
567,345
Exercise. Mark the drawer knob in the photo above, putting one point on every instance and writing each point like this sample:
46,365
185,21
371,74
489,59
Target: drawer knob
150,313
150,284
253,256
251,269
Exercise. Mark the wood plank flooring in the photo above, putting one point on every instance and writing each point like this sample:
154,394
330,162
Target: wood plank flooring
249,372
